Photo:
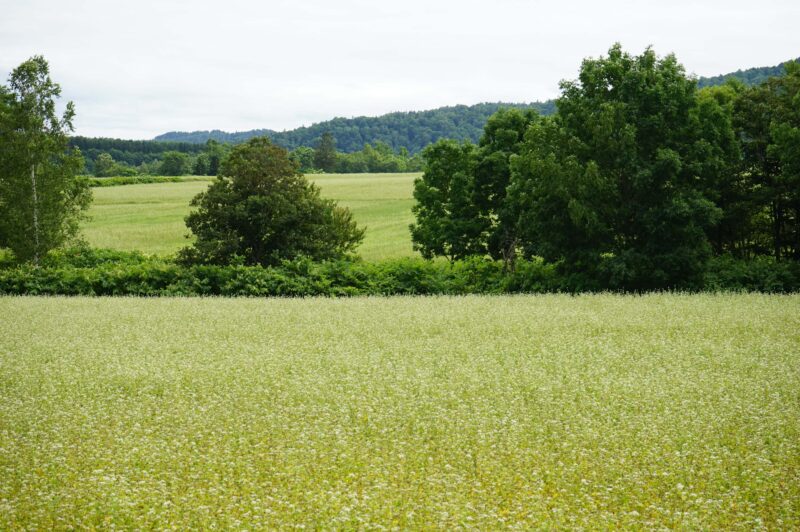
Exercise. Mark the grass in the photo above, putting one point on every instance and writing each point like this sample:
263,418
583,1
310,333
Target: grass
595,412
149,217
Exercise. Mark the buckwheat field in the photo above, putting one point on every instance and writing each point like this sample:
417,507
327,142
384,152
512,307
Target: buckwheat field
661,411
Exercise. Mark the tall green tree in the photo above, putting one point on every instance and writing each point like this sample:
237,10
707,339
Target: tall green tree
768,120
716,161
501,140
304,157
41,199
785,148
448,223
261,210
174,163
461,198
629,206
216,153
325,153
562,203
104,165
200,166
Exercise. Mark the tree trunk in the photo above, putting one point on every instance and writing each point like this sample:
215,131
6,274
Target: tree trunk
35,217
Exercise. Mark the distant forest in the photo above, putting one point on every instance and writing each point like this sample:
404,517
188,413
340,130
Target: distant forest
132,152
751,76
410,130
401,131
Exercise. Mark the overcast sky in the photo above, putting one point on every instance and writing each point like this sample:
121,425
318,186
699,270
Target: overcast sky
138,69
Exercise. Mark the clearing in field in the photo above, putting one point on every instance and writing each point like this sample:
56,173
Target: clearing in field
536,411
149,217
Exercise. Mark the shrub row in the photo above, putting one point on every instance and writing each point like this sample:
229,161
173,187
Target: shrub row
138,179
114,273
296,278
760,274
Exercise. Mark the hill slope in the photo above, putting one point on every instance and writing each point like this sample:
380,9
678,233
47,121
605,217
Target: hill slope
411,130
751,76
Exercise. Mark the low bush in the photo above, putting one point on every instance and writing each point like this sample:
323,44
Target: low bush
760,274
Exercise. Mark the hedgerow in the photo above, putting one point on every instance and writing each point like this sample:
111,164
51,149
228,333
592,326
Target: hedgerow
102,272
139,179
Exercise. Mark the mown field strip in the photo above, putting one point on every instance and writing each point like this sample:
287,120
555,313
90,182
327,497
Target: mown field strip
150,217
533,411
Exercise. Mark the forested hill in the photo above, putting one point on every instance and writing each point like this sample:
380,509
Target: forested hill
410,130
751,76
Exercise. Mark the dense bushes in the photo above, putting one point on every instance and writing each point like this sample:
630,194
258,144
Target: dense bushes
760,274
102,272
138,180
114,273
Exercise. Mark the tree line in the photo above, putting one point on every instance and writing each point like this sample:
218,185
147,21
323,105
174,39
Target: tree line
635,182
205,159
638,181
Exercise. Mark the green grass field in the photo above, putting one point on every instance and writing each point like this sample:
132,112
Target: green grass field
594,412
149,217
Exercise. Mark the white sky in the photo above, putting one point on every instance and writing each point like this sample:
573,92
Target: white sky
136,69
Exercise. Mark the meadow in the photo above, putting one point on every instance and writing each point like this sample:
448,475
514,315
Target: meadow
596,412
149,217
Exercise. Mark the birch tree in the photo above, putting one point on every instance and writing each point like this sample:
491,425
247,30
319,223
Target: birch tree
41,198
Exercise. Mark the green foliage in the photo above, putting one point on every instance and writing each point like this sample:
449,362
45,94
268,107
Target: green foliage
105,272
139,180
84,256
448,223
325,153
502,139
377,158
87,271
633,183
784,149
261,210
201,165
767,118
106,166
132,157
41,199
759,274
609,187
750,76
174,163
215,152
132,153
303,157
716,163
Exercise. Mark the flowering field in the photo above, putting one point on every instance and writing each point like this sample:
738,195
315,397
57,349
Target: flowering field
543,411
